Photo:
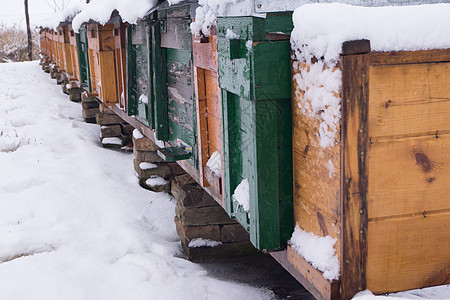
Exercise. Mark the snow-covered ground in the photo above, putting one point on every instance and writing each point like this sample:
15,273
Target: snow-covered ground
74,223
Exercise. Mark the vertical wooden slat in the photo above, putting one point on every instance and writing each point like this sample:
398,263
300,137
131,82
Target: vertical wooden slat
354,174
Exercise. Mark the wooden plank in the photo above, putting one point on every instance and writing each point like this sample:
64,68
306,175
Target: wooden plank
108,87
213,94
354,174
202,124
408,253
409,57
355,47
313,280
316,174
205,54
409,99
177,34
409,176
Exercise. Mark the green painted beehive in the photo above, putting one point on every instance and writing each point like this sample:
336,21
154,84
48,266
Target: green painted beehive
254,76
160,85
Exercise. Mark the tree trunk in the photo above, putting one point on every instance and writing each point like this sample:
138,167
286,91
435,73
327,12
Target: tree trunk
30,45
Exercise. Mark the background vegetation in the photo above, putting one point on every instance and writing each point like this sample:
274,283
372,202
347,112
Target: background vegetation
13,43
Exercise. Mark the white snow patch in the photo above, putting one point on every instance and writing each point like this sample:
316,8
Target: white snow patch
199,242
137,134
156,180
215,163
242,194
231,34
147,166
143,98
319,251
112,141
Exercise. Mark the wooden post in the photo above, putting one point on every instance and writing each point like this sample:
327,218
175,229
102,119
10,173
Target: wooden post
27,18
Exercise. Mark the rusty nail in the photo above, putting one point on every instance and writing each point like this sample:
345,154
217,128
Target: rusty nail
362,153
361,130
363,75
361,211
347,180
347,261
361,231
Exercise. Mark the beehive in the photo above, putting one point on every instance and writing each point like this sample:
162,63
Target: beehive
382,190
101,45
209,111
65,58
254,77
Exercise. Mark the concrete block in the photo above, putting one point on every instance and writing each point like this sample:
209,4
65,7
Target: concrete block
90,113
233,233
147,156
105,109
226,250
103,119
198,216
112,142
187,233
161,170
144,144
110,131
189,194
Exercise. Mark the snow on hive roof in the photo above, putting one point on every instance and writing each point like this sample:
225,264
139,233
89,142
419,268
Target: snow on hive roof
101,10
324,27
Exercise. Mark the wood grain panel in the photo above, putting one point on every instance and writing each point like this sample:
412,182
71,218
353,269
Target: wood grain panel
408,253
202,122
409,99
213,94
408,176
108,88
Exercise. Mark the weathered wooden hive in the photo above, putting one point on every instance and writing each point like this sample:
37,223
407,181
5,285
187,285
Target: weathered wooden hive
121,59
81,41
382,189
101,45
55,47
209,113
65,58
160,85
254,77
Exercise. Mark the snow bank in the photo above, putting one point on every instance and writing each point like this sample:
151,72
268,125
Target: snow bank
199,242
318,251
101,10
242,194
215,163
74,222
388,29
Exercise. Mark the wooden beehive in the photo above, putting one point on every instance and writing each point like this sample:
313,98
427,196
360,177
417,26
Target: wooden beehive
254,77
209,111
64,44
55,47
383,189
102,62
121,59
73,42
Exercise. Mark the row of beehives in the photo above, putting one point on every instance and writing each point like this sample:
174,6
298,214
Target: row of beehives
381,191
